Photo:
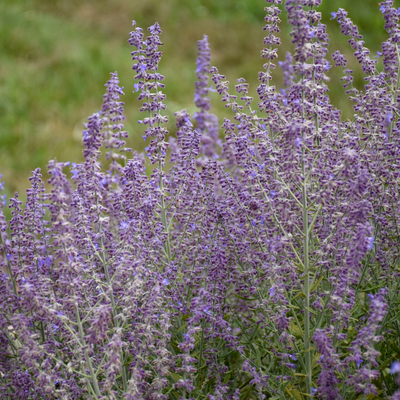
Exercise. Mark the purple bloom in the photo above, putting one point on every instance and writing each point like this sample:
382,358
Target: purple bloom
99,324
395,368
207,311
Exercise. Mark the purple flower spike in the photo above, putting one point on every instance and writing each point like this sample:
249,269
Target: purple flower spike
147,57
112,116
207,123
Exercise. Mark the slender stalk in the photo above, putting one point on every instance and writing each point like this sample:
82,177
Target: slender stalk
307,351
167,245
113,304
87,358
306,286
201,349
10,274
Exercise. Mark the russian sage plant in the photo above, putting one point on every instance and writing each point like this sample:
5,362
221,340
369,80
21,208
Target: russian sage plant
262,263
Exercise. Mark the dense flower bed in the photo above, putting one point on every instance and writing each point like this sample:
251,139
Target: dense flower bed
261,265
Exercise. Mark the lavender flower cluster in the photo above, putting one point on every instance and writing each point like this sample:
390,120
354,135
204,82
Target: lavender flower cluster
263,265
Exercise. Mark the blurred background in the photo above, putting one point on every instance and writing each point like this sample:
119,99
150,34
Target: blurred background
56,56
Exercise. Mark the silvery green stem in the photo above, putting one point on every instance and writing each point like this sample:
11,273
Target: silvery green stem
10,274
87,358
306,286
307,352
114,311
167,246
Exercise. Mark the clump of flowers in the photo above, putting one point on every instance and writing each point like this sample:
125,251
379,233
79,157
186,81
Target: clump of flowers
263,263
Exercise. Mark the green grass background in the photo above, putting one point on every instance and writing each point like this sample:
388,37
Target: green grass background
56,55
